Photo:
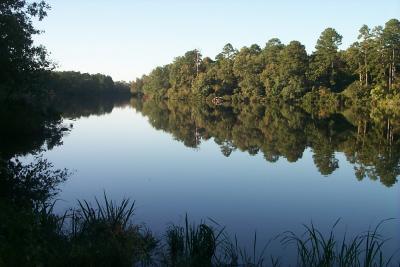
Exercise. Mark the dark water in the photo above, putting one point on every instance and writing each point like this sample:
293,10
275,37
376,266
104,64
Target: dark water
251,168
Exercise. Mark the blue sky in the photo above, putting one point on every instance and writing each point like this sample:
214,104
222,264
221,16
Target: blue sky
126,39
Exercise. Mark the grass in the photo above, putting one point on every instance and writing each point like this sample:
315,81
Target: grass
315,249
104,234
207,245
191,245
234,255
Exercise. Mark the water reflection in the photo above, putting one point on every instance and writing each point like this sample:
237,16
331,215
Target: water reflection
28,190
371,146
275,131
26,130
240,192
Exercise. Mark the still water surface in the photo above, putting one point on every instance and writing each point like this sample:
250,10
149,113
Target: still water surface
122,154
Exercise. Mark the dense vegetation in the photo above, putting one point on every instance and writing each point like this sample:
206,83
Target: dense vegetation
365,74
22,64
68,84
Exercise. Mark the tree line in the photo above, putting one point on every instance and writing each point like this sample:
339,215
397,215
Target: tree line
364,72
73,83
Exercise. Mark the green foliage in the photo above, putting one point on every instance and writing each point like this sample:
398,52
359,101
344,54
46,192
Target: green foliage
218,78
248,65
378,93
136,87
325,61
228,52
285,77
182,73
375,57
321,102
103,235
157,82
75,84
358,94
192,245
21,62
285,73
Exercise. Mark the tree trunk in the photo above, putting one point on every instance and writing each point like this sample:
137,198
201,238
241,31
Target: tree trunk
365,127
366,69
388,129
393,67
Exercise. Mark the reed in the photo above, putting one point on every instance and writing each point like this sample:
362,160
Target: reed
103,234
315,249
191,244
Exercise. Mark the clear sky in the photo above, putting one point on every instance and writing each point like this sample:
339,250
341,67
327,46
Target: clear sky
126,39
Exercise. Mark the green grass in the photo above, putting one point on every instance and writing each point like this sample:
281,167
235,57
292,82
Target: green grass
103,233
210,245
316,249
191,244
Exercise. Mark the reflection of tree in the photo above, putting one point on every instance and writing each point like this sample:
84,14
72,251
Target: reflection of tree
227,147
281,131
28,226
325,161
21,134
373,154
324,148
374,159
77,106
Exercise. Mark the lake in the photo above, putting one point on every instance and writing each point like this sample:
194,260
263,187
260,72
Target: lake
249,169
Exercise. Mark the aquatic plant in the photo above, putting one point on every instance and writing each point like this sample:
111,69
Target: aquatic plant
103,234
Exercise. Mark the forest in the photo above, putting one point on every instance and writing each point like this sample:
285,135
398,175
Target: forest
363,75
72,83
